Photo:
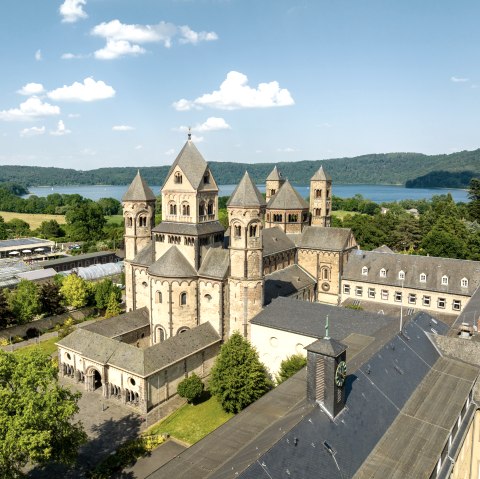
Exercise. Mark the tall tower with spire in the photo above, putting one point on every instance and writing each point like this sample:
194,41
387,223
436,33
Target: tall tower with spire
321,198
246,208
273,183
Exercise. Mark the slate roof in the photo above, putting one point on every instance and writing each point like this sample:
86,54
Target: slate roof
142,362
471,311
191,163
275,175
78,257
246,194
308,319
37,274
138,190
172,265
321,174
330,239
190,229
405,383
327,347
275,240
287,198
146,256
413,266
118,325
286,282
215,264
383,249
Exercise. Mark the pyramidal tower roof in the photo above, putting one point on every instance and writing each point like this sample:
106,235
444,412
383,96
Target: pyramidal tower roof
246,194
191,162
275,175
287,198
321,174
138,190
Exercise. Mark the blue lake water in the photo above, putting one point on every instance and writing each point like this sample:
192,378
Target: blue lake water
377,193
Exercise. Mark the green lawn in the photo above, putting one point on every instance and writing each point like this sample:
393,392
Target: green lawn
114,220
341,213
192,423
47,346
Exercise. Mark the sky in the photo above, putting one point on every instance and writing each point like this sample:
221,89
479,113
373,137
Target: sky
86,84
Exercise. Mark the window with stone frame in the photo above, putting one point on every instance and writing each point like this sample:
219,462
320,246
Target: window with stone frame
426,301
384,294
253,231
456,305
383,273
412,298
398,296
177,178
183,299
423,278
371,292
237,231
365,271
464,283
441,303
358,291
158,297
346,289
444,280
173,208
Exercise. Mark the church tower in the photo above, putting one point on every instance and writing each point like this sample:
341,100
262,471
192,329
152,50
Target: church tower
273,183
139,216
321,198
246,208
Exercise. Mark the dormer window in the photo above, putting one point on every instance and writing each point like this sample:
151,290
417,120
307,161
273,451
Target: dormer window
364,271
178,178
383,273
401,275
423,278
464,283
444,280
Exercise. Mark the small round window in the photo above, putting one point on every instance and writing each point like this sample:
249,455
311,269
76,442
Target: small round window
68,356
132,381
144,284
273,342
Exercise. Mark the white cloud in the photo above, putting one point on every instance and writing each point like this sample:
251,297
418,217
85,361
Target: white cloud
459,80
190,36
89,90
38,55
30,109
197,139
61,130
72,10
235,93
286,150
211,124
122,128
31,89
74,115
125,39
170,152
73,56
34,131
139,147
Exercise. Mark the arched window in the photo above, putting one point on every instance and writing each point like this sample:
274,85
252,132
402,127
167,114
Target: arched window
129,222
201,209
158,297
210,208
185,209
464,283
318,193
318,212
292,218
401,275
237,229
253,231
444,280
272,192
173,209
208,298
178,178
206,178
364,271
183,299
159,334
183,329
383,273
423,278
142,221
325,273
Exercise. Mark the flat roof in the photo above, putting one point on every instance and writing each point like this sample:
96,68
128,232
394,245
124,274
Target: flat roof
24,243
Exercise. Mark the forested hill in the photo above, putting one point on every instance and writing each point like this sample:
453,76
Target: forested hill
388,168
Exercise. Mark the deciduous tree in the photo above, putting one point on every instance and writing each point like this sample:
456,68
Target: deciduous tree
290,366
113,306
25,301
191,388
74,291
36,414
238,378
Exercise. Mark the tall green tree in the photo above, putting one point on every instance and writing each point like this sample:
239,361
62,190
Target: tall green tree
6,316
238,378
51,299
17,228
25,301
113,306
103,291
75,291
50,229
36,414
474,197
3,229
85,221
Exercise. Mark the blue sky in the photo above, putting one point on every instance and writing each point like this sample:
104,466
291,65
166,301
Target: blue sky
93,83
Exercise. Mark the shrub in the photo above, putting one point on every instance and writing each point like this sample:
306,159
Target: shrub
290,366
191,388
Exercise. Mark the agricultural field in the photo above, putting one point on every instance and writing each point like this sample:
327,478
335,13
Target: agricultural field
33,220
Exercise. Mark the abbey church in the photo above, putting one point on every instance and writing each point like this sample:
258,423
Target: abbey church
275,275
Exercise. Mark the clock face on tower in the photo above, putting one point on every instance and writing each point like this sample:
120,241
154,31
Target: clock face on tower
340,374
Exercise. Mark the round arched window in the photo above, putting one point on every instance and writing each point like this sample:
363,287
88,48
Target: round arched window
132,381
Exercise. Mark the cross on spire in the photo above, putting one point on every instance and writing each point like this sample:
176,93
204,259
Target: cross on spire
189,133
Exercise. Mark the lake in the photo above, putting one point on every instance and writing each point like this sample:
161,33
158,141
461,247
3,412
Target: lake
377,193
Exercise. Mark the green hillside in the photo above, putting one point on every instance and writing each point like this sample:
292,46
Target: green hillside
388,168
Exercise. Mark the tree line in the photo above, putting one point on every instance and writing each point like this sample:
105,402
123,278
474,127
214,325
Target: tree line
385,168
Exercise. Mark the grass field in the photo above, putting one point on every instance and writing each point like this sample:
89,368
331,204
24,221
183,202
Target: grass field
341,213
47,346
192,423
33,220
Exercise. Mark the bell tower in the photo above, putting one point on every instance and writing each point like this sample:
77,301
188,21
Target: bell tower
321,198
273,183
246,208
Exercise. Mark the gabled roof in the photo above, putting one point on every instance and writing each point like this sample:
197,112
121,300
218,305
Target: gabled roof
215,263
286,282
146,256
383,249
138,190
246,194
330,239
275,240
172,265
275,175
287,198
192,164
321,175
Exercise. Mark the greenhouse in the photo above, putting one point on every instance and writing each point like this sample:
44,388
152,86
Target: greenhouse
98,271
